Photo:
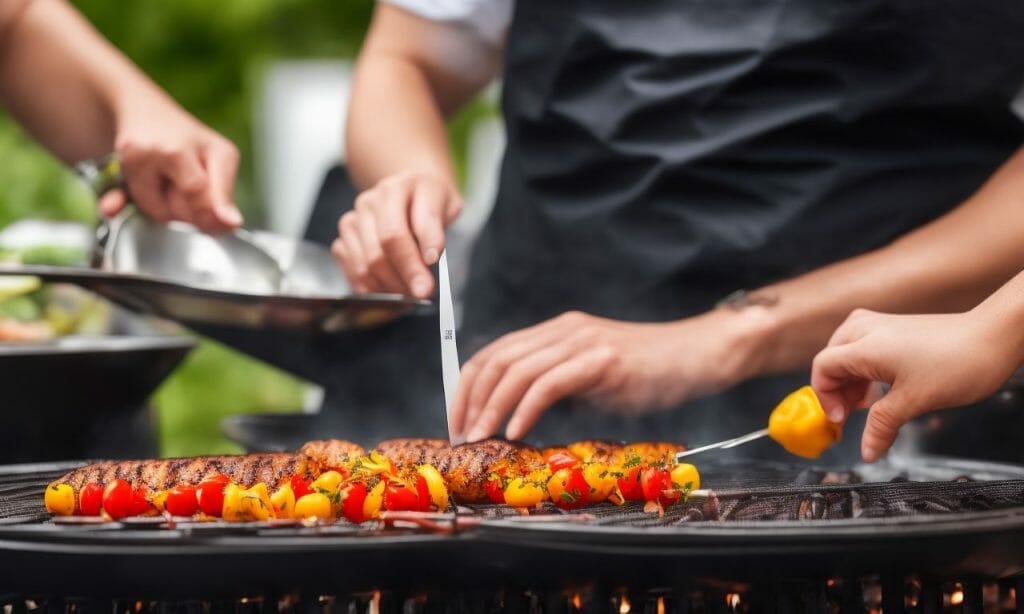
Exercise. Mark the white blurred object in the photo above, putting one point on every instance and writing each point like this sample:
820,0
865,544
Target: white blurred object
300,128
483,161
30,233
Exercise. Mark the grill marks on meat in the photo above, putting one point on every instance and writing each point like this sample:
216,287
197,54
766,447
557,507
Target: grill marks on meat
466,468
333,453
417,450
272,469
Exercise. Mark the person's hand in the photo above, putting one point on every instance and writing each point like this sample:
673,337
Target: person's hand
619,366
394,232
174,168
930,362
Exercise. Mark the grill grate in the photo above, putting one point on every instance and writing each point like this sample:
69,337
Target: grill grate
744,492
770,535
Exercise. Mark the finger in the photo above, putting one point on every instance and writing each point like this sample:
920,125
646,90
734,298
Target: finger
145,185
514,383
427,217
383,276
188,190
885,418
458,412
840,379
355,263
397,240
490,364
341,256
221,162
573,377
111,203
466,407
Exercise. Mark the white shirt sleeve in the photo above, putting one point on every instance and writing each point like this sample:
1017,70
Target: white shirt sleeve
488,18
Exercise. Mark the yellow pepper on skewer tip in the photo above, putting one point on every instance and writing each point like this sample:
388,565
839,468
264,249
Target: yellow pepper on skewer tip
799,425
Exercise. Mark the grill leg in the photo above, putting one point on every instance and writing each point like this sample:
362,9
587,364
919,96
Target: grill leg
893,595
931,597
974,602
1019,594
597,600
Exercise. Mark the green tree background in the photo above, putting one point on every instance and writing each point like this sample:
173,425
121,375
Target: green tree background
211,57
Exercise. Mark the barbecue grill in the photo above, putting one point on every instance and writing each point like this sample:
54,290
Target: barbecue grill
929,535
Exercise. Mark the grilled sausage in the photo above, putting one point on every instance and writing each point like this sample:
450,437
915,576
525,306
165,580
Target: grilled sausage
333,453
248,470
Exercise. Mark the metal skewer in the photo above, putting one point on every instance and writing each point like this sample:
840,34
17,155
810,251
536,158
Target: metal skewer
724,445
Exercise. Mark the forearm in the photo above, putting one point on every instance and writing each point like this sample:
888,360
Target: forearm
411,74
64,82
394,123
948,265
1003,315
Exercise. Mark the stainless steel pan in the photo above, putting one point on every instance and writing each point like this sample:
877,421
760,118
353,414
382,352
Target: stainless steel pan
205,306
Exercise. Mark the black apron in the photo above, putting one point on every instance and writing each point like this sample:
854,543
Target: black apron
664,153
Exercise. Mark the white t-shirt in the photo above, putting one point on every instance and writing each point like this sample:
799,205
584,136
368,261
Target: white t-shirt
489,18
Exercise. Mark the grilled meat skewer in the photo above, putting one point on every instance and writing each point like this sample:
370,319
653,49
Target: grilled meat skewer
247,470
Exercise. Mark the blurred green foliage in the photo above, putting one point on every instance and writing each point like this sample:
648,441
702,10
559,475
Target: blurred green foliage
211,57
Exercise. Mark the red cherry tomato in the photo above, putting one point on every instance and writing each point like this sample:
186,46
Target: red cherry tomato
400,496
300,486
629,485
90,500
182,501
575,492
210,495
140,501
422,493
494,491
117,499
562,460
352,507
657,486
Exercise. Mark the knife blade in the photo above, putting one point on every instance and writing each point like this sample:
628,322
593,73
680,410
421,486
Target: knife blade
449,348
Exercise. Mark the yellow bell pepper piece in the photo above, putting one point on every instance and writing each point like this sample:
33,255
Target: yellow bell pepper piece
685,477
328,483
313,505
601,480
524,493
374,500
242,504
435,486
283,501
800,425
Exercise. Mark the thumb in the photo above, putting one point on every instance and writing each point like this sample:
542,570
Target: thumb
112,202
885,418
